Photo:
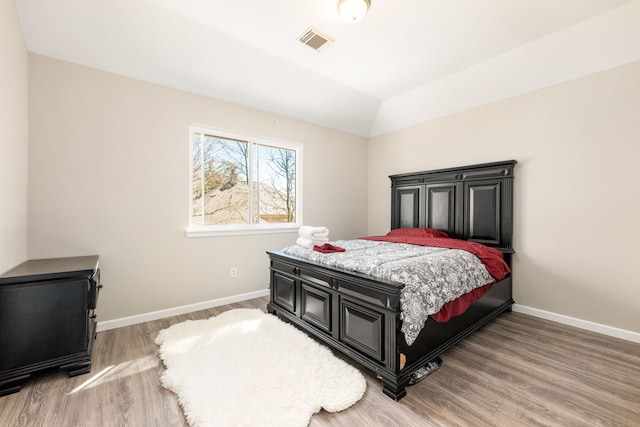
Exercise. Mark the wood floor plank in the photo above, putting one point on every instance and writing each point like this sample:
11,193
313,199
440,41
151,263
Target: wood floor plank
516,371
559,391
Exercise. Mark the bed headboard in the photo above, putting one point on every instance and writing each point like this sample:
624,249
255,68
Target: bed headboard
470,202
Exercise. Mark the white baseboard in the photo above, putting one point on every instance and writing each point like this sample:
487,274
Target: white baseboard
161,314
579,323
547,315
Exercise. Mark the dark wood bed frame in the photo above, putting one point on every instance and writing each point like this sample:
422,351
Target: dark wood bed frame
360,316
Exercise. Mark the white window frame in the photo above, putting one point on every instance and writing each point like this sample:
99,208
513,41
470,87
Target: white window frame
196,230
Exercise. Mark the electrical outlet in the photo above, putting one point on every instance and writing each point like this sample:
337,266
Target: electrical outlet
234,272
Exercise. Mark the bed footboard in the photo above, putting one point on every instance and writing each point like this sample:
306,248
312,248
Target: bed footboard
360,317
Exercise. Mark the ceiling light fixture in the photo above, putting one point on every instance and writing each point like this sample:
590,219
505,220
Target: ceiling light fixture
353,10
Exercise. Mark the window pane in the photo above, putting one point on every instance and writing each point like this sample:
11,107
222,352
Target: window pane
223,182
196,180
274,185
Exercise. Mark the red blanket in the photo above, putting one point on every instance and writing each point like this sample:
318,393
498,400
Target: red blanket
492,258
327,248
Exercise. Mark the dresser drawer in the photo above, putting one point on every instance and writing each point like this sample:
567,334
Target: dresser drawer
94,290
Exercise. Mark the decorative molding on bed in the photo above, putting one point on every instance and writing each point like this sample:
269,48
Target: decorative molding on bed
175,311
472,203
579,323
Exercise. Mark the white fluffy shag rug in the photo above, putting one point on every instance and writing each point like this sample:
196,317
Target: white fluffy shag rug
248,368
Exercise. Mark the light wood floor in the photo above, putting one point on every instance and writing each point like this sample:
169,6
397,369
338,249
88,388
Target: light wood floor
516,371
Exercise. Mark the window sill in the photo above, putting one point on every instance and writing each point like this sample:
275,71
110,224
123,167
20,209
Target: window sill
194,231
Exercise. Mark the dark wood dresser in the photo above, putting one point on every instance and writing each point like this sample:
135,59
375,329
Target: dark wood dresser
47,318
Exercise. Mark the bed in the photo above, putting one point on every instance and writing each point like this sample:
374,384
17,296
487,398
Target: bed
361,315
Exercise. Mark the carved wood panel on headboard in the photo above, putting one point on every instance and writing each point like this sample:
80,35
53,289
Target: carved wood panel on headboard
470,202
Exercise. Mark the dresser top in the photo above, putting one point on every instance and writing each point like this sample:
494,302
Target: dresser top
36,270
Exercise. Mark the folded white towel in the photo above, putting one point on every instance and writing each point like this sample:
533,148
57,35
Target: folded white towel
310,243
305,243
319,240
309,232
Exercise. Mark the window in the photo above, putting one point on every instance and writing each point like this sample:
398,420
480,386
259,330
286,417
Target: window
243,184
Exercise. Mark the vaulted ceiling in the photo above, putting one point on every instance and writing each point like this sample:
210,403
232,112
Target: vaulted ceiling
406,62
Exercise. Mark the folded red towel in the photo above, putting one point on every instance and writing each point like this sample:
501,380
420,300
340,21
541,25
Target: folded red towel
328,248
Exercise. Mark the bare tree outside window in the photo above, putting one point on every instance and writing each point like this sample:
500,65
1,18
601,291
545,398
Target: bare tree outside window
222,169
280,177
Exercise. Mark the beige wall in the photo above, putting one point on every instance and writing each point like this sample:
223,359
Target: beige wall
108,175
577,201
108,171
13,139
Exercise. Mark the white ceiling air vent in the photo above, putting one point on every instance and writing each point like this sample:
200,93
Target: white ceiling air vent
316,40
